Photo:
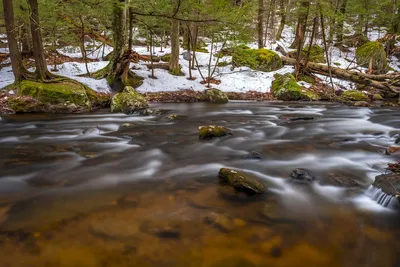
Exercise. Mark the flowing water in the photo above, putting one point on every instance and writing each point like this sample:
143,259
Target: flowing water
77,191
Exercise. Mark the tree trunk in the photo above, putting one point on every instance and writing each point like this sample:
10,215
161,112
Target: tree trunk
395,17
130,37
83,49
119,73
16,62
26,44
174,67
38,51
340,24
272,17
260,23
282,13
301,24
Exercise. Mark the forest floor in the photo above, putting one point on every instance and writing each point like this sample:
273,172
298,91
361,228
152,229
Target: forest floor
240,83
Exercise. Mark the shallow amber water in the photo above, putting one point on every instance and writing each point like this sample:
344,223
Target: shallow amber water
149,195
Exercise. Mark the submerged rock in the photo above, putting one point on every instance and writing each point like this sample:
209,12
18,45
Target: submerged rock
372,52
211,131
285,88
252,155
303,175
342,180
241,182
216,96
90,130
128,101
222,222
127,125
150,112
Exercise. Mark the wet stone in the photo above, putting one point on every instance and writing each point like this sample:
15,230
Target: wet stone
241,182
252,155
302,175
91,130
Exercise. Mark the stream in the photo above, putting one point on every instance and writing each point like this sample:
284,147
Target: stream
78,190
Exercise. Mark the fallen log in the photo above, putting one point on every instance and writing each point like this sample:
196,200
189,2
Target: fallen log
163,66
384,82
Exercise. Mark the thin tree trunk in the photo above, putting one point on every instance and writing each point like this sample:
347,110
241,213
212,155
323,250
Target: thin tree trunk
328,61
38,51
26,46
395,17
282,22
311,43
189,37
174,67
18,68
209,62
260,23
340,25
130,38
272,24
151,55
83,49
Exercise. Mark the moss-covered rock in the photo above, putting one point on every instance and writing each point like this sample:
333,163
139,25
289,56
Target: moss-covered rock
374,51
240,181
316,54
165,57
377,97
211,131
355,40
128,101
285,88
353,95
56,93
257,59
216,96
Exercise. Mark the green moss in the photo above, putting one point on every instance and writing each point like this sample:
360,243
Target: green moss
166,57
128,101
202,50
176,72
223,64
353,95
56,93
307,78
257,59
377,97
374,51
316,54
216,96
211,131
285,88
98,99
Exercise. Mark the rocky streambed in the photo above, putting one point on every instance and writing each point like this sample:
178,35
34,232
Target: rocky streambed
280,184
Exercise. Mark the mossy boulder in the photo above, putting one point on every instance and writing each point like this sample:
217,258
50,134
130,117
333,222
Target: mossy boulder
285,88
216,96
316,54
165,57
240,181
57,93
257,59
374,51
377,97
353,95
355,40
128,101
211,131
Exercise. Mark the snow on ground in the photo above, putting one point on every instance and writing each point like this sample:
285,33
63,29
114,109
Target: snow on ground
6,76
75,52
240,79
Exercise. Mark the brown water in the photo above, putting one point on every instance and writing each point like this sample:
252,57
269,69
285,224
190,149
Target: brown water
149,195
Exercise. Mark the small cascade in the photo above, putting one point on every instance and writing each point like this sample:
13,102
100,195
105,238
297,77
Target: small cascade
383,199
